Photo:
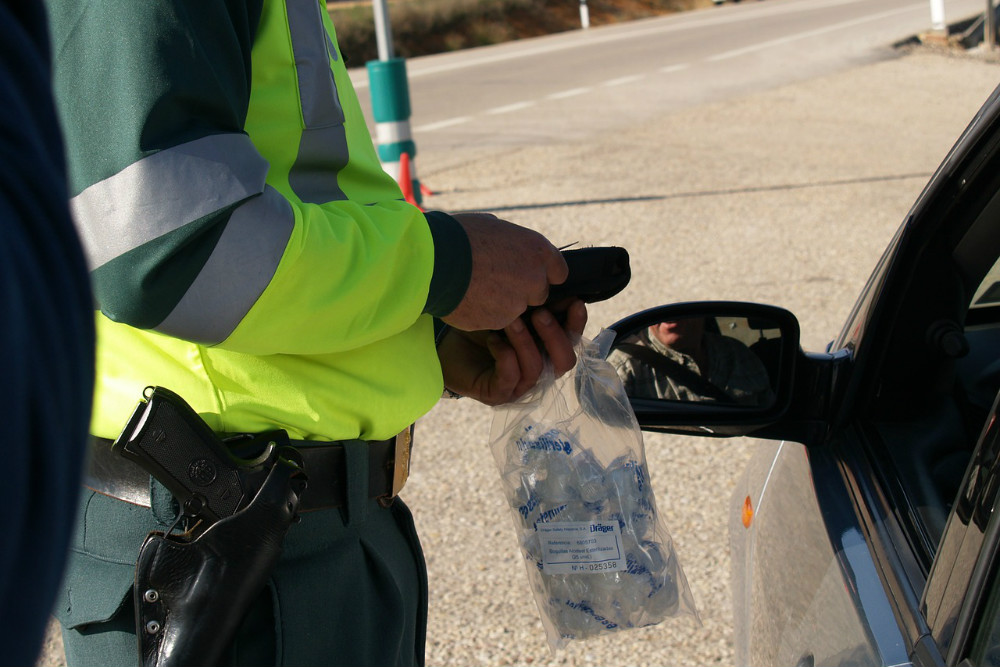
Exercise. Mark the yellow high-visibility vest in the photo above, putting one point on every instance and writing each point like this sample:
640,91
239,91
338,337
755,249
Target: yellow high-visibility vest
247,249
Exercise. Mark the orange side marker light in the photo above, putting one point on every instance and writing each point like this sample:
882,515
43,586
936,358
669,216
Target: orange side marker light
747,512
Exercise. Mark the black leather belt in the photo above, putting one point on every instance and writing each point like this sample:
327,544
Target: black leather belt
113,475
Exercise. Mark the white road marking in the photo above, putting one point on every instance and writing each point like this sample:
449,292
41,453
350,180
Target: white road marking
804,35
440,125
517,106
623,80
572,92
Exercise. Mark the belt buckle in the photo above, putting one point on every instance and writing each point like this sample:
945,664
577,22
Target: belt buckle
401,464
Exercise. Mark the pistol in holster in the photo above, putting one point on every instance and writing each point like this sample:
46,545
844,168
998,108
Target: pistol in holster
192,588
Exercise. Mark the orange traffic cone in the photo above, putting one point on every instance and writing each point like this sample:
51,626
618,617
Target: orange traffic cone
406,181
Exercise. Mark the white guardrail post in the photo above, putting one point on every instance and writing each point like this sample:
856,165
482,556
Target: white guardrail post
937,16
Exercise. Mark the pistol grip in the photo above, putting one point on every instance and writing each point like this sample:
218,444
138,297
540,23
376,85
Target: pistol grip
168,439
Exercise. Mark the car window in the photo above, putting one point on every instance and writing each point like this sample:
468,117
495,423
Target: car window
967,624
938,374
988,292
975,618
986,646
979,369
962,599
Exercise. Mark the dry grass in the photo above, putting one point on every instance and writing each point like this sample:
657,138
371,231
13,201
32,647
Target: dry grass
421,27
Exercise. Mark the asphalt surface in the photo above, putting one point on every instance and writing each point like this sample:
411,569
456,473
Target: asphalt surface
567,86
785,196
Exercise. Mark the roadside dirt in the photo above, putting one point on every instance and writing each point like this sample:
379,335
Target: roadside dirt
418,32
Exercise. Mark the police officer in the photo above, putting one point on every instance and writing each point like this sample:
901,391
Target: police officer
249,253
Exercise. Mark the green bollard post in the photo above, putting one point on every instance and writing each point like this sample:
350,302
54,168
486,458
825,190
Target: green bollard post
391,110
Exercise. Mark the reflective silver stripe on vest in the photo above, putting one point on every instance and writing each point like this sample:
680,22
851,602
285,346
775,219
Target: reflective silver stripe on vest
240,268
165,191
323,148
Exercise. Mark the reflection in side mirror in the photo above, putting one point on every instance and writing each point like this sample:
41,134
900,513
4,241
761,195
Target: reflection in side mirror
717,367
719,360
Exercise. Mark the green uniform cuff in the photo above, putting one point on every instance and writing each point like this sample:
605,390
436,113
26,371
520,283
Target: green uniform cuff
452,264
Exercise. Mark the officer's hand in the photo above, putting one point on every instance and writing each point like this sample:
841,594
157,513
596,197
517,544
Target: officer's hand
495,369
512,268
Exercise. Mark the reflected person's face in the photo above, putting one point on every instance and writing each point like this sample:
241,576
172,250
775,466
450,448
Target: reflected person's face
679,334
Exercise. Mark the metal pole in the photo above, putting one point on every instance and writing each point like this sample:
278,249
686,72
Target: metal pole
383,30
990,26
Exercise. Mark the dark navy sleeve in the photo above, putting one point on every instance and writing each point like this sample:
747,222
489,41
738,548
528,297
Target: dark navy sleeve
46,338
452,264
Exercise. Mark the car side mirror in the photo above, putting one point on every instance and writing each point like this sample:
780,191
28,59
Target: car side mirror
713,367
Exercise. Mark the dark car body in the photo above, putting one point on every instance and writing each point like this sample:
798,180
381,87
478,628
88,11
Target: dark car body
864,531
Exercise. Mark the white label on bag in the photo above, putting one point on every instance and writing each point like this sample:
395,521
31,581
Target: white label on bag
572,547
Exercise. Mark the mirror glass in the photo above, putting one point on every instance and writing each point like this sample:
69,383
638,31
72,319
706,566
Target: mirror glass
730,361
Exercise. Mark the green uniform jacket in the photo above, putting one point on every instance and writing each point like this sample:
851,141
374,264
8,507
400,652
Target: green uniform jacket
247,249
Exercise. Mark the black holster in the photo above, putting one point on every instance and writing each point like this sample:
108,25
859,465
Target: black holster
192,594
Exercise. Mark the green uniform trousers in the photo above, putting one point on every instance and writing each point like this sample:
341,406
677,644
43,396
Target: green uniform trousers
350,588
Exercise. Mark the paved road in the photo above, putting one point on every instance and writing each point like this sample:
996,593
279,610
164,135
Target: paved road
583,83
783,195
